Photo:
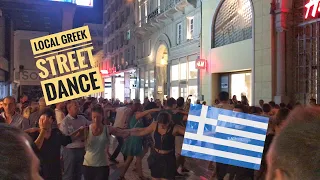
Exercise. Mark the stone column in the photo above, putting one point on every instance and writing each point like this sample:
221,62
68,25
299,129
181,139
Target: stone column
281,25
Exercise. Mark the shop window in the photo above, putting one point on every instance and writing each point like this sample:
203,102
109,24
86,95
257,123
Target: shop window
193,91
151,92
151,78
142,73
141,93
241,85
175,72
175,92
233,23
193,72
183,92
183,71
146,76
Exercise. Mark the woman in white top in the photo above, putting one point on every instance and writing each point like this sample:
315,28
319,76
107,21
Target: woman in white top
97,137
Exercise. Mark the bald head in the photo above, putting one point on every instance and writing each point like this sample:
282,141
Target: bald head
295,153
73,108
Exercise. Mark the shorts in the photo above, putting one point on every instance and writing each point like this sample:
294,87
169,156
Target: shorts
178,144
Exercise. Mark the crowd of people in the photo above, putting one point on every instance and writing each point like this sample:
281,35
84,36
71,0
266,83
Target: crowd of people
71,140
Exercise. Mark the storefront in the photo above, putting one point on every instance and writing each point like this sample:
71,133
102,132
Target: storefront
147,82
237,45
237,83
120,85
184,77
108,88
29,84
304,66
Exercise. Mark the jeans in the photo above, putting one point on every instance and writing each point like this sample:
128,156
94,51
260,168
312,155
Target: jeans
73,160
118,149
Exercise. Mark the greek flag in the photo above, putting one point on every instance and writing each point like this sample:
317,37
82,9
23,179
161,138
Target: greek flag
225,136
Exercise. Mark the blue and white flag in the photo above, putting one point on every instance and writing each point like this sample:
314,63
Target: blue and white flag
225,136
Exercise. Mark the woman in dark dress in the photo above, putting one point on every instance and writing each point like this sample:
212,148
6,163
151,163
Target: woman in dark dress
47,142
162,160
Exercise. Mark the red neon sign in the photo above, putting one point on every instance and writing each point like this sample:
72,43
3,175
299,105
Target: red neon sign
314,4
201,64
108,71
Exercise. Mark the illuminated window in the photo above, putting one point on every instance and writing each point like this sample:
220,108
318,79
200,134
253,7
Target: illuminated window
175,72
233,23
183,71
175,92
193,72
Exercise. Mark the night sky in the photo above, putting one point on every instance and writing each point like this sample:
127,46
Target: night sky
89,15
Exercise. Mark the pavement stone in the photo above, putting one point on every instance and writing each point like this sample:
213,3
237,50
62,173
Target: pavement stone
198,168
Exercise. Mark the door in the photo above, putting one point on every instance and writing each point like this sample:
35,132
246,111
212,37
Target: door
183,91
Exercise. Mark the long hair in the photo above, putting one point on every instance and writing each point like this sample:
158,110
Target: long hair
164,118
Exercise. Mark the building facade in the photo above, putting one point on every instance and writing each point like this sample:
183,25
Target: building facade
237,45
263,49
96,32
25,70
168,45
5,49
300,36
119,67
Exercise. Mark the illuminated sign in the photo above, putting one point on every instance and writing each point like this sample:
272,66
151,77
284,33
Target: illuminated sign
201,64
108,71
88,3
314,5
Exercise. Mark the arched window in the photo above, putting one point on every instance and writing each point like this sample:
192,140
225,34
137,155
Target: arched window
233,23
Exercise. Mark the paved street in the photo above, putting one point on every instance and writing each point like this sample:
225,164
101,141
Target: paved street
198,168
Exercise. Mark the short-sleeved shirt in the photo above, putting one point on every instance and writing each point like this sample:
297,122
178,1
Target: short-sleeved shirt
34,118
122,117
49,154
71,124
18,121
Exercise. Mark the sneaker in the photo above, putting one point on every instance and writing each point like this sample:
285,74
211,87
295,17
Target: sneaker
114,161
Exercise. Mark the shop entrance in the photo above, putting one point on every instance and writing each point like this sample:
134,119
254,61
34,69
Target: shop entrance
161,72
238,84
119,85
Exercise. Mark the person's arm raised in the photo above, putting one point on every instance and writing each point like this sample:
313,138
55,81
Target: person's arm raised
140,115
143,131
44,125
